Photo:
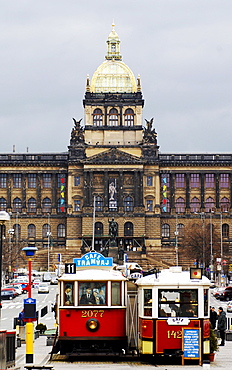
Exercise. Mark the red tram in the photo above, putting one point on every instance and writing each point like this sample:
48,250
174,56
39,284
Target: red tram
169,302
92,308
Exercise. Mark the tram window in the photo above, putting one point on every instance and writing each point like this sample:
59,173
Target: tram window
206,302
68,293
92,293
147,302
116,294
178,302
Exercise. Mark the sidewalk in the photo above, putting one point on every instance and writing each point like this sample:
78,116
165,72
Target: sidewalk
42,354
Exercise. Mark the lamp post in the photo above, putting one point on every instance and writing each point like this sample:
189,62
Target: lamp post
49,236
4,216
211,247
176,237
29,307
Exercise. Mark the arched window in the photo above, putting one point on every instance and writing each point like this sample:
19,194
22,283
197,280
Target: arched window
180,205
46,205
99,204
98,228
224,204
180,230
128,229
31,231
165,205
31,205
17,231
61,231
129,117
45,230
97,117
2,204
195,205
17,205
209,204
113,117
165,231
225,231
128,204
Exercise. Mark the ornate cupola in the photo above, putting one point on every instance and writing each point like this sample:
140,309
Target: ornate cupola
113,46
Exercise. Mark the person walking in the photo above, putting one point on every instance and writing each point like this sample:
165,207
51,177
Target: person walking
222,325
213,317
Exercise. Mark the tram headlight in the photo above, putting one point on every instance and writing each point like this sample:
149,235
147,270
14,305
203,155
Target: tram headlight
92,324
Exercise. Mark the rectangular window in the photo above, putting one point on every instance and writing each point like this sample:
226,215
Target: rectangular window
77,205
116,294
224,180
92,293
194,180
68,293
149,205
3,180
209,180
47,180
206,302
17,180
77,180
165,179
31,180
178,302
180,180
149,180
147,302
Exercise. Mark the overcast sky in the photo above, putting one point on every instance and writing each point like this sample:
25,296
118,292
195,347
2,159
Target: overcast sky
181,48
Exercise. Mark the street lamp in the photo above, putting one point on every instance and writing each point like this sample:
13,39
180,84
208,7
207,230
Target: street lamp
4,216
211,247
29,307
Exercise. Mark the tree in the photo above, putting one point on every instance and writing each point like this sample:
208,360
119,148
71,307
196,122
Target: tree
196,242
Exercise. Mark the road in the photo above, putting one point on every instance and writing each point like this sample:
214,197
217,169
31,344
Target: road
11,308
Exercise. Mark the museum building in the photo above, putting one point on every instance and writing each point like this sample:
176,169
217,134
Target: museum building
113,162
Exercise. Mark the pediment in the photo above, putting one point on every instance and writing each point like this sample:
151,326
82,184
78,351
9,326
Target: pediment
113,156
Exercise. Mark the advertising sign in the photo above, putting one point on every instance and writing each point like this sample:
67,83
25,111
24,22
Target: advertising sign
191,344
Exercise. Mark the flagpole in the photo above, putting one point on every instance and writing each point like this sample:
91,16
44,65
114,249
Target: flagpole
94,209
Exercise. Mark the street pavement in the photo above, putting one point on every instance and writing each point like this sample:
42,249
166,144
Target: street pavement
42,356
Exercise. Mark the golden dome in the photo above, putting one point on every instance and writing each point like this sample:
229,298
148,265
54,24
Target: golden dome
113,75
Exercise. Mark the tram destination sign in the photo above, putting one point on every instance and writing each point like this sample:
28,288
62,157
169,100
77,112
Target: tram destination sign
93,259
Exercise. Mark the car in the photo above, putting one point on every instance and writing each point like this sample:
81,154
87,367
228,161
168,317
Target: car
229,306
8,293
43,288
54,280
18,288
36,283
226,295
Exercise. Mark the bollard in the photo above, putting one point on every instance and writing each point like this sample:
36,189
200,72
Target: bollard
29,342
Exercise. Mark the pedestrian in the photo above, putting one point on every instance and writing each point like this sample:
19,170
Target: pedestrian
213,317
21,321
222,325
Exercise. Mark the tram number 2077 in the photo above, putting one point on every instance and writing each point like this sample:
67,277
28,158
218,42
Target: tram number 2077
92,313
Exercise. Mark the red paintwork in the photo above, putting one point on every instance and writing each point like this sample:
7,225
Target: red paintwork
112,323
146,328
170,336
206,328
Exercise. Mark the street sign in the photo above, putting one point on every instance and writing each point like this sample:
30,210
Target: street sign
29,308
29,301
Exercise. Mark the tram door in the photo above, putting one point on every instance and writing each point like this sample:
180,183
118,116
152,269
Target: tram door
132,315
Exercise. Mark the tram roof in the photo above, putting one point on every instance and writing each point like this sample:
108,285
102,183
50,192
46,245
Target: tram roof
94,274
173,276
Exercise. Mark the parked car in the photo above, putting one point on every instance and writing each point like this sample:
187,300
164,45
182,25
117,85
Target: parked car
217,292
43,288
229,306
226,295
7,293
18,288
